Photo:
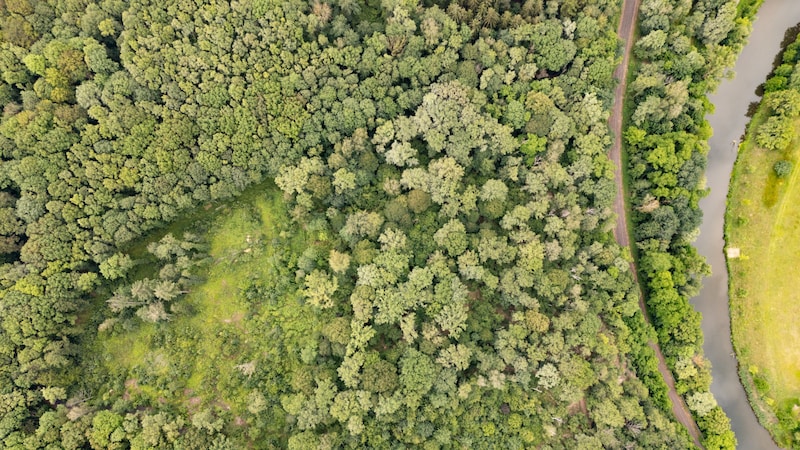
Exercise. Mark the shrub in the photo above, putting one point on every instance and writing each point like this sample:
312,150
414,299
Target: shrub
776,133
782,168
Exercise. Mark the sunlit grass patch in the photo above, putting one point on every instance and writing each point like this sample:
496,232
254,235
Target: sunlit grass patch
763,220
126,348
220,333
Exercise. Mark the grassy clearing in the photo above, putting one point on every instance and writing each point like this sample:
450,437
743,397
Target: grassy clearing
762,219
245,311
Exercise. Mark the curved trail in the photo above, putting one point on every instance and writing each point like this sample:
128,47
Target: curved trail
630,9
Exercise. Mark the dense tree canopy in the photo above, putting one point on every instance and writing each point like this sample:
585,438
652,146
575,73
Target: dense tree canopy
448,159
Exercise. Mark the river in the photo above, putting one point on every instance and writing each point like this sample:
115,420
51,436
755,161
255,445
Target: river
731,101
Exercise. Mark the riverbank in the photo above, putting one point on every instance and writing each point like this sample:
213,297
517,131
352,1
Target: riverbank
731,102
760,222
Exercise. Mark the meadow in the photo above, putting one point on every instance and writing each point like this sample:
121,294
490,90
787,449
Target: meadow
223,353
762,220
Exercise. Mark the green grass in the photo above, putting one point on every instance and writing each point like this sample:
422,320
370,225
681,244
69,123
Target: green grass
762,219
229,319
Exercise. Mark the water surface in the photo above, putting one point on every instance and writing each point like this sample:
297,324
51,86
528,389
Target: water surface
728,121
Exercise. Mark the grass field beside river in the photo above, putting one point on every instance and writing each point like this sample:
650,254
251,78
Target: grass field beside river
762,220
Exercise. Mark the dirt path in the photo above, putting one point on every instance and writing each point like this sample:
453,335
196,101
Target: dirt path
630,9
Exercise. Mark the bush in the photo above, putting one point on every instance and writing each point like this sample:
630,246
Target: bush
761,384
776,83
782,168
776,133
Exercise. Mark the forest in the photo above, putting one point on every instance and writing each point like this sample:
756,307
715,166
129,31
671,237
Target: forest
344,224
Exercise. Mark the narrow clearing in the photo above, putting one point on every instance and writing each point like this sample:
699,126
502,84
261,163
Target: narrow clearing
630,9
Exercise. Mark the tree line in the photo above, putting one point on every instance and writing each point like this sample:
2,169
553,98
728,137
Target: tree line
683,51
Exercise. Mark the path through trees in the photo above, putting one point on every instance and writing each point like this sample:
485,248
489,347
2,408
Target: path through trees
630,9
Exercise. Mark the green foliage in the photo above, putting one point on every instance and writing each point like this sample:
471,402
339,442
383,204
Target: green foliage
701,403
718,429
442,273
775,133
106,428
320,288
684,51
782,168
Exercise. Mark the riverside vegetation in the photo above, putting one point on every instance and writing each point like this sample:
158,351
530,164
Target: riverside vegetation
679,60
433,265
761,220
